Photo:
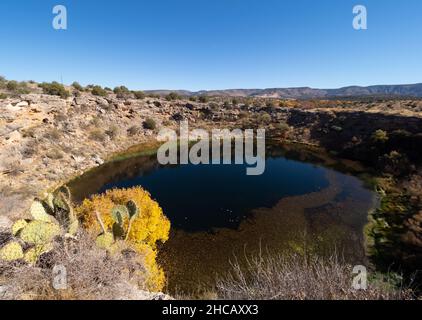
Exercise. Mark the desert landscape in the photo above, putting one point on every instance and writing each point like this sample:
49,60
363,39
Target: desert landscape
52,134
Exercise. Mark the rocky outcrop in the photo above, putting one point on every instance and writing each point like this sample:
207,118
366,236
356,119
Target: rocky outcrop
45,140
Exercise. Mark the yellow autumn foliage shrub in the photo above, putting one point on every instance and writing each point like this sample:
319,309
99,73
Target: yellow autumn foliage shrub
149,228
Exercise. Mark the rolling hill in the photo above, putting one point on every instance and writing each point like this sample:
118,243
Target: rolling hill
410,90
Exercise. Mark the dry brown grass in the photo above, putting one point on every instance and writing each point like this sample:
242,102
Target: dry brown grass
97,135
91,274
295,277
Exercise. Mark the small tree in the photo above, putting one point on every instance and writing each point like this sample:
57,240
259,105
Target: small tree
120,90
265,118
77,86
282,128
98,91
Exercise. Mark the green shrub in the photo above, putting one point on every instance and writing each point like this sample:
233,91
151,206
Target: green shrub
380,136
193,99
120,90
77,86
203,99
54,89
3,96
139,95
172,96
282,128
98,91
12,85
265,118
149,124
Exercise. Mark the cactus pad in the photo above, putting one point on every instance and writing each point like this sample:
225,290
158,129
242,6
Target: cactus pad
105,240
11,251
38,212
132,208
18,226
39,232
32,255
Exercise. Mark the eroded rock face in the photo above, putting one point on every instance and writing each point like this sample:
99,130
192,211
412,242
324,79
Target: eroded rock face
45,140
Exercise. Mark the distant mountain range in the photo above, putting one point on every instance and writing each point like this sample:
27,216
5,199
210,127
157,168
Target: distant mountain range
408,90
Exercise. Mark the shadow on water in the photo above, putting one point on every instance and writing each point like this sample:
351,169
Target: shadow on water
218,212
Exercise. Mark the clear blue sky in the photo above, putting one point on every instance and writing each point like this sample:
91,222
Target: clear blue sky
212,44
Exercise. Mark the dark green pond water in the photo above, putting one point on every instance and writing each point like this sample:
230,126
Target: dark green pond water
217,212
204,197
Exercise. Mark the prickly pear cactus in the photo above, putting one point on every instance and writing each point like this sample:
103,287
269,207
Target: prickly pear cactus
49,201
134,213
132,208
73,228
105,240
57,208
18,226
52,217
65,191
32,255
122,216
119,213
38,212
11,251
63,211
39,232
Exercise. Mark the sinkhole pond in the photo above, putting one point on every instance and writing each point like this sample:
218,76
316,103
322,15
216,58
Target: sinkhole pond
218,214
